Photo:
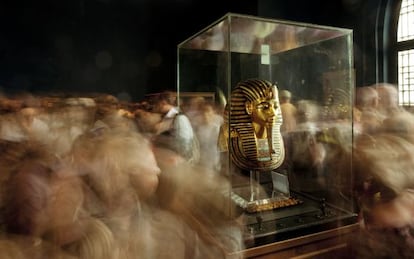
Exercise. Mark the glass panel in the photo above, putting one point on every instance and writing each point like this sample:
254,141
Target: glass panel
246,34
240,58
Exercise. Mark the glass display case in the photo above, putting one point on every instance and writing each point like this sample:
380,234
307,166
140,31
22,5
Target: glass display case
290,181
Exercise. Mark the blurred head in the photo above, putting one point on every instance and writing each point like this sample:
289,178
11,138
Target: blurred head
164,102
106,104
28,189
98,242
208,113
285,96
366,97
388,95
115,161
307,111
387,159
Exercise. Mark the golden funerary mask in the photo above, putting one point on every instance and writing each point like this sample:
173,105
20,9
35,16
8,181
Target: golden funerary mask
253,136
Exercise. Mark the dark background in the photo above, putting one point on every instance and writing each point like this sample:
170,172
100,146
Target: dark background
128,47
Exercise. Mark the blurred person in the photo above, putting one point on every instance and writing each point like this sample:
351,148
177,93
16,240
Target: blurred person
24,124
10,250
308,115
21,122
38,203
206,208
401,124
11,153
207,128
126,113
307,150
366,98
44,200
357,123
62,132
11,128
289,116
102,199
9,104
115,185
114,113
144,105
388,99
106,104
194,108
67,121
96,153
98,241
151,216
28,189
50,102
367,102
307,154
120,121
384,184
32,123
175,131
146,121
118,179
27,247
145,118
289,111
167,158
335,141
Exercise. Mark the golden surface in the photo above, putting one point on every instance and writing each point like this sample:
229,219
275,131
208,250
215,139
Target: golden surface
253,137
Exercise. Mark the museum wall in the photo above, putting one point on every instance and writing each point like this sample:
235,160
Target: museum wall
128,47
122,47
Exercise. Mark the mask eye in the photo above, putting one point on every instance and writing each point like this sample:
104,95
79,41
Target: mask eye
263,106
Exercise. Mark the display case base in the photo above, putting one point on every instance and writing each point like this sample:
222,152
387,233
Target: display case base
323,244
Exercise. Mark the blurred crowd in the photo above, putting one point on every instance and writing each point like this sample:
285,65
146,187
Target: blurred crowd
94,177
384,182
369,160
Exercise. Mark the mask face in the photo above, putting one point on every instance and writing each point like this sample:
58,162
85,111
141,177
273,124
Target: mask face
255,118
264,112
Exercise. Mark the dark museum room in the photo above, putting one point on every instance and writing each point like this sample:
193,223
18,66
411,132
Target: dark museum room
155,129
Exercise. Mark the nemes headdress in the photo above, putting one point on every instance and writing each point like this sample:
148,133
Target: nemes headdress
246,150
